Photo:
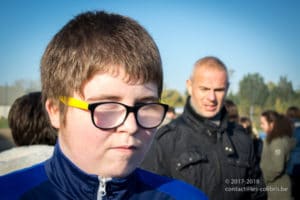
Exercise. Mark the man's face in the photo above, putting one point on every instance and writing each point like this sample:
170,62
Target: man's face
114,152
207,88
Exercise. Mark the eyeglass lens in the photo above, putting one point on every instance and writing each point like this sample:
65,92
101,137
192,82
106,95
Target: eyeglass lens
111,115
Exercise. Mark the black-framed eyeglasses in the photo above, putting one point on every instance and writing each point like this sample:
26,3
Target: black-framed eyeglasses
109,115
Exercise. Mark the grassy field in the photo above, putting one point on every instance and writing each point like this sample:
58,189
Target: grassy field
3,123
6,133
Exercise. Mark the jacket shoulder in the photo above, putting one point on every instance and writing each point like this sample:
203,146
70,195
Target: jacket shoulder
285,143
169,129
172,187
15,184
240,134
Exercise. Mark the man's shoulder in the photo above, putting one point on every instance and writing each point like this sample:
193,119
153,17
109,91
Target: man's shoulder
171,128
242,141
240,133
173,187
14,184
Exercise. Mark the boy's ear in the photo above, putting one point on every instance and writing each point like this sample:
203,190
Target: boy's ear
52,109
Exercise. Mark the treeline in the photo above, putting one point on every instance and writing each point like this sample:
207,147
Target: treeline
8,93
252,97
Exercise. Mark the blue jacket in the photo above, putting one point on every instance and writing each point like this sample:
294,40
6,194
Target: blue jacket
293,166
59,178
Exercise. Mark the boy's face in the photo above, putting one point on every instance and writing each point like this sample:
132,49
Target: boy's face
114,152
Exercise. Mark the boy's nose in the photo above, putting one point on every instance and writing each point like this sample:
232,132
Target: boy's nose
129,125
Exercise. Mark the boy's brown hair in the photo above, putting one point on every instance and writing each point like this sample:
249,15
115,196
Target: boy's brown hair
94,42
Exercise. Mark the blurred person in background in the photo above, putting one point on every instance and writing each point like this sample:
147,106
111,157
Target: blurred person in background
247,124
293,167
32,133
5,143
232,109
275,155
257,141
201,146
170,115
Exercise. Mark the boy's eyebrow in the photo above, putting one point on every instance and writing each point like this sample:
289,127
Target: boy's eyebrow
118,98
103,97
149,98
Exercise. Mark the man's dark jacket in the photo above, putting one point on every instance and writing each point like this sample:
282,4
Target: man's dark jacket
219,160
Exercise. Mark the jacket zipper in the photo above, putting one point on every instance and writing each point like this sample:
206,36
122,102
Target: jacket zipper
219,172
102,187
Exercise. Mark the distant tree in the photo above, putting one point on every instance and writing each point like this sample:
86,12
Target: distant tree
284,89
254,96
271,85
253,92
281,95
296,99
8,93
4,94
172,97
33,86
233,97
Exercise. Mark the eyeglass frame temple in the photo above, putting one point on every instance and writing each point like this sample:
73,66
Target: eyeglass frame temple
70,101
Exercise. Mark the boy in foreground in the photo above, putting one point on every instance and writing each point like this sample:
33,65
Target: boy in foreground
102,80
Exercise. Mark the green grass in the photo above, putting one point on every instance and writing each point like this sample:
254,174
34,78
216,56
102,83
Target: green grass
3,123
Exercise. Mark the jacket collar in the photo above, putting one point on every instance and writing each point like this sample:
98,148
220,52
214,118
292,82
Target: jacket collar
190,114
207,127
76,183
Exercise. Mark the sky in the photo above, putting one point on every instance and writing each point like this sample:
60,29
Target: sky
258,36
